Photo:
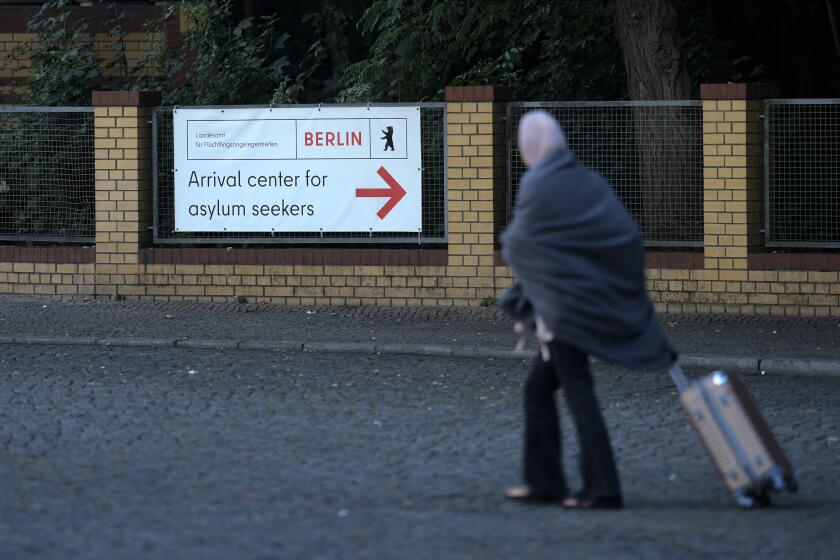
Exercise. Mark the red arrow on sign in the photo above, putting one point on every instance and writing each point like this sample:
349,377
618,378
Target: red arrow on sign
395,192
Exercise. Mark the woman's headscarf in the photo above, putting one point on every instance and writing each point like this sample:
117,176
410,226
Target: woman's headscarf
539,136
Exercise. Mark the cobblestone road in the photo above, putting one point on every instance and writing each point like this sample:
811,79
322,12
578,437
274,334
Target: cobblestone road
173,453
711,335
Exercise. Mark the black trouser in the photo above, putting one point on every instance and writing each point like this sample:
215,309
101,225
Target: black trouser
568,367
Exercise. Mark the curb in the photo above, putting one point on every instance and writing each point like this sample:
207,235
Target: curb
803,366
349,347
271,345
131,341
75,340
207,344
728,363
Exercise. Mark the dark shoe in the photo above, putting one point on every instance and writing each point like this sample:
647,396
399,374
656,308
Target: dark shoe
525,494
581,501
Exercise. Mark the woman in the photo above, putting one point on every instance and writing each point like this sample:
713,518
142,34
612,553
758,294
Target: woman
580,269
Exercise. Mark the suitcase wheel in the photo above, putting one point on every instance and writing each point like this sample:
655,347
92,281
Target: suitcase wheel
745,500
778,482
764,500
748,501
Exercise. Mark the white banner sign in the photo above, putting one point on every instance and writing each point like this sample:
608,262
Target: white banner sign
331,169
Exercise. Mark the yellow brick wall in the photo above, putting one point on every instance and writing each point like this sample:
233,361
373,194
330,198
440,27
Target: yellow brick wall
762,292
733,183
9,67
122,152
275,284
122,146
475,141
297,285
791,293
46,278
137,45
476,174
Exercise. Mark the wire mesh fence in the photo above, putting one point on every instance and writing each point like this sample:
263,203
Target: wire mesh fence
802,173
434,180
651,152
47,174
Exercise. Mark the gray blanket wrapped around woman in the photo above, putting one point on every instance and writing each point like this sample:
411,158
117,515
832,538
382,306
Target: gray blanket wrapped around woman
579,261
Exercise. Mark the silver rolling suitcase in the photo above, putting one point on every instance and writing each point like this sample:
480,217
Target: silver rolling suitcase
736,436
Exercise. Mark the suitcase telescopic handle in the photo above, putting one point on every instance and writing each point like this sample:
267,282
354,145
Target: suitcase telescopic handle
678,376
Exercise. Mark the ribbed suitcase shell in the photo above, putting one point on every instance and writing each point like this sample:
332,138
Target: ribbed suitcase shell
736,436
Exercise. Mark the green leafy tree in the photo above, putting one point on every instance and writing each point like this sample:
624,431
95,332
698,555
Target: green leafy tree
225,62
117,64
543,49
42,190
228,60
63,65
292,89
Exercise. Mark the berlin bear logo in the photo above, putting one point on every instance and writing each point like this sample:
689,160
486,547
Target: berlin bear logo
389,138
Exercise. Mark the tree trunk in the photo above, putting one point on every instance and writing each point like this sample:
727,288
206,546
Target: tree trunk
649,39
650,45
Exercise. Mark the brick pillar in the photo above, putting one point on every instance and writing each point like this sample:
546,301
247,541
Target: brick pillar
476,144
733,171
123,154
